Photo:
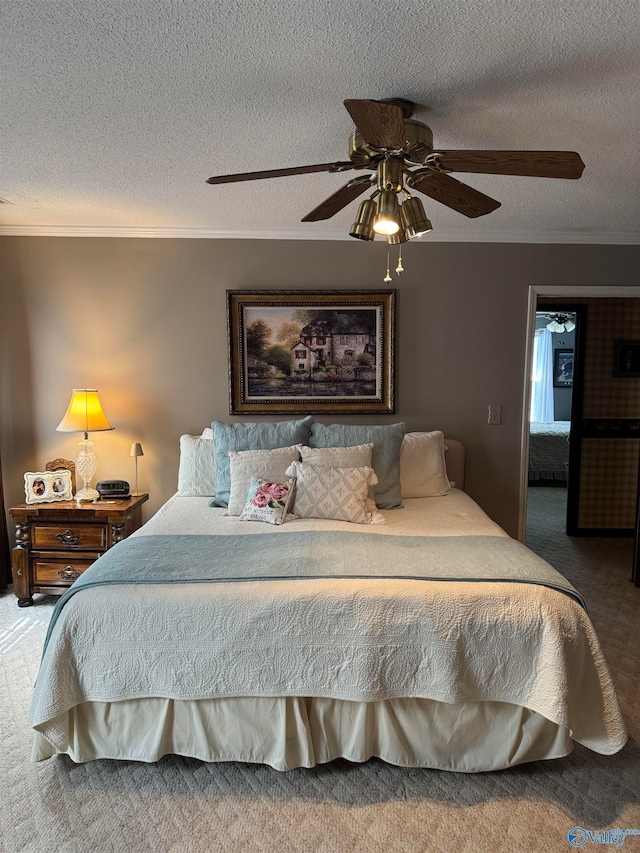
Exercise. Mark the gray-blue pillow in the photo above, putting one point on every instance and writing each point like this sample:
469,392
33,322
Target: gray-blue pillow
251,436
385,459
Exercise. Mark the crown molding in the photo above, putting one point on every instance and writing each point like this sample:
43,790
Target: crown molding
170,233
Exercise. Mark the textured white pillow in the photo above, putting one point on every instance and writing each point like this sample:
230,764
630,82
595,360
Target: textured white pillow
358,456
423,472
197,468
207,432
248,465
336,493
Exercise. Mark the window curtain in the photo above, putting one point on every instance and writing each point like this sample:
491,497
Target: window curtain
541,409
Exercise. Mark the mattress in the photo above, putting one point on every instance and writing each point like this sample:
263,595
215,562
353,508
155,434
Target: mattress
416,671
548,450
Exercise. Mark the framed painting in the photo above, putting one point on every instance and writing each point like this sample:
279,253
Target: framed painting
626,359
563,368
305,352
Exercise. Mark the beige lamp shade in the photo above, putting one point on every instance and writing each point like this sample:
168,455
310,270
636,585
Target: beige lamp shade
84,413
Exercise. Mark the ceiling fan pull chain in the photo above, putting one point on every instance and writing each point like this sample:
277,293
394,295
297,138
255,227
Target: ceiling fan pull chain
399,268
387,277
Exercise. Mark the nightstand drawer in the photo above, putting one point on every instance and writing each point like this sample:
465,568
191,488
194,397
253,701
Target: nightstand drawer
84,537
60,571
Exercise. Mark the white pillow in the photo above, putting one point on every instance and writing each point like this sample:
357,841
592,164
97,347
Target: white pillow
248,465
336,493
358,456
197,468
423,472
268,501
207,432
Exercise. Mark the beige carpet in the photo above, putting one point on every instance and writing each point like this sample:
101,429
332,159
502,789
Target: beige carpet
186,806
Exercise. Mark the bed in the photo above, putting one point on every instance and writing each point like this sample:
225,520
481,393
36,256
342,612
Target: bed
415,640
548,450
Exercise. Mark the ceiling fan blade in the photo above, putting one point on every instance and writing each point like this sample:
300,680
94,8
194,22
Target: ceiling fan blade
447,190
381,125
281,173
536,164
330,206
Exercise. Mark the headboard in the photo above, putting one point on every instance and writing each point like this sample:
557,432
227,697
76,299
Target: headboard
454,458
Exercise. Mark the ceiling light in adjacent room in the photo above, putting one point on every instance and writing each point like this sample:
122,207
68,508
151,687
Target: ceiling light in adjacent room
561,323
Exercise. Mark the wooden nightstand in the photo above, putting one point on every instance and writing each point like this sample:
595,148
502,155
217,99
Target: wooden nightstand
56,542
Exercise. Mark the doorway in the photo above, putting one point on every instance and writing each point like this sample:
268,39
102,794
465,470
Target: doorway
553,378
540,298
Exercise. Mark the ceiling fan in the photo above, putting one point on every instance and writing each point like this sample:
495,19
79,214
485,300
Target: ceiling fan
390,144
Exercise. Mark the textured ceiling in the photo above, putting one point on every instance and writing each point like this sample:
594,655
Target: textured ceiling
115,113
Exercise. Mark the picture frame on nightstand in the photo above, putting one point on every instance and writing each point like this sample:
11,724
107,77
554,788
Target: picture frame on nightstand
47,486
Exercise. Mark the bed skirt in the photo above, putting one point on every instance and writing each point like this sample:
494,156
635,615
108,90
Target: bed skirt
290,732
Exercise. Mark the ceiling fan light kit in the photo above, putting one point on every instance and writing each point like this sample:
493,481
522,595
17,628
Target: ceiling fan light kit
414,219
389,143
387,219
362,228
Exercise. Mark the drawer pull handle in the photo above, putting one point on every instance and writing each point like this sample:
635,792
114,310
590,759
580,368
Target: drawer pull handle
69,573
68,537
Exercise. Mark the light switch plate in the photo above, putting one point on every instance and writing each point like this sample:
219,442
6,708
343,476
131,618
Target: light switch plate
495,414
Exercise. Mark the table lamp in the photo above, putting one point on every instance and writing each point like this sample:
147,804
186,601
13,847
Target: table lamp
85,415
136,450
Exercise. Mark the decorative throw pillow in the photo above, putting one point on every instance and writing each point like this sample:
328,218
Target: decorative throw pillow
197,468
336,493
207,432
248,465
385,458
251,436
423,471
267,501
338,457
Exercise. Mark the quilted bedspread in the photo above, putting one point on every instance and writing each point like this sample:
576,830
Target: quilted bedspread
362,638
548,450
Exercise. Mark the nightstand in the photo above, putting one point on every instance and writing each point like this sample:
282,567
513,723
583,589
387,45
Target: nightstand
56,542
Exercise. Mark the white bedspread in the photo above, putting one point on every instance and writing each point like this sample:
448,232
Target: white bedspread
355,639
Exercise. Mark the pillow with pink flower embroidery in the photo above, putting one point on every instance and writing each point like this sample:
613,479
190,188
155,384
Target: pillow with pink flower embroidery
268,501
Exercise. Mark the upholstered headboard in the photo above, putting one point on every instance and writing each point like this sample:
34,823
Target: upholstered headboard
454,458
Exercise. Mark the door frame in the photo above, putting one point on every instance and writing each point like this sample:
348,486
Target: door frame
566,292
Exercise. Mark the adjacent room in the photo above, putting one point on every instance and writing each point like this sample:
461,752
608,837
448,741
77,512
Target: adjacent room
319,426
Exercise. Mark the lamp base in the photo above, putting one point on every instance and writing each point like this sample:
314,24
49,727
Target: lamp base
87,494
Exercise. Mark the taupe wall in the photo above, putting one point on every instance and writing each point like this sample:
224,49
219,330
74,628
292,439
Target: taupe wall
144,322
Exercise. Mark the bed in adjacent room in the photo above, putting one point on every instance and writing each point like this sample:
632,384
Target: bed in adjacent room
548,450
424,636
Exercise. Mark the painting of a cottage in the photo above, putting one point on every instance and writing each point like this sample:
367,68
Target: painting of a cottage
313,353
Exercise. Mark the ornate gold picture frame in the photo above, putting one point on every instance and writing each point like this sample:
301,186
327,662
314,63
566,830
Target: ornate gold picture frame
303,351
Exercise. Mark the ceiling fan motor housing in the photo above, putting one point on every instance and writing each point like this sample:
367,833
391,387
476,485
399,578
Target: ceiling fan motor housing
418,146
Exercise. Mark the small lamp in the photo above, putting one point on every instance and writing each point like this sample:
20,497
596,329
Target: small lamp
85,414
136,450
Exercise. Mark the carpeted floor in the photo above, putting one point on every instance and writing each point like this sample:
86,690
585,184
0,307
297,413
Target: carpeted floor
185,806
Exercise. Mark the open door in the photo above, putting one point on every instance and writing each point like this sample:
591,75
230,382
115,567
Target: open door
604,440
